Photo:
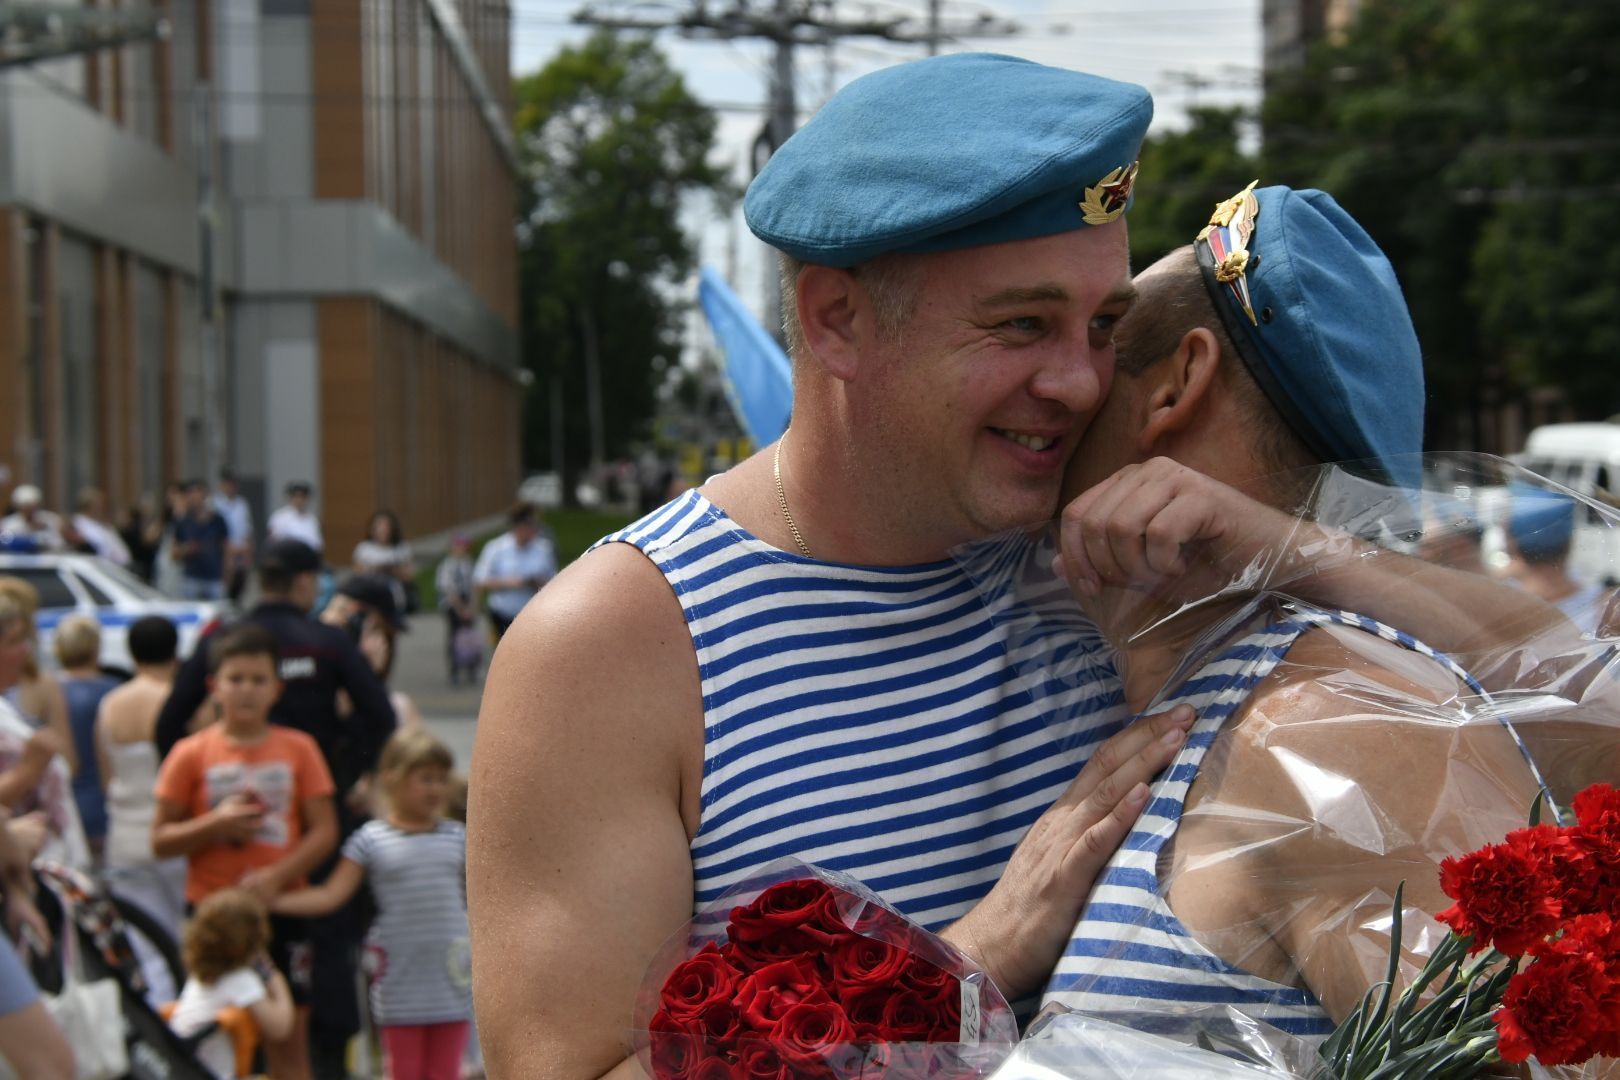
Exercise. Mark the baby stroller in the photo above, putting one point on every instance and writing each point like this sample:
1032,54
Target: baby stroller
104,928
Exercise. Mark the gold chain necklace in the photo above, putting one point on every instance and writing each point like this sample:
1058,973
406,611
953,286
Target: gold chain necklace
781,498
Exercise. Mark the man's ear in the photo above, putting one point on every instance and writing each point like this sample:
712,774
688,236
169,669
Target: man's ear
1185,382
828,300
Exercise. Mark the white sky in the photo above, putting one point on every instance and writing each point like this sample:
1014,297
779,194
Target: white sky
1156,43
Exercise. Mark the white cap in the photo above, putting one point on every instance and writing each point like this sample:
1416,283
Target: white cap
25,495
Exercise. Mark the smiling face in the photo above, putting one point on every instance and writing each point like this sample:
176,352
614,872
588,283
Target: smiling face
966,419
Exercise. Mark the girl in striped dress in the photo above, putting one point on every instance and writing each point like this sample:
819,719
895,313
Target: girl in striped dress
417,953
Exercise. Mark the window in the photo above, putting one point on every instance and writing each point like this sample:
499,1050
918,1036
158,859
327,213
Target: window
100,598
53,591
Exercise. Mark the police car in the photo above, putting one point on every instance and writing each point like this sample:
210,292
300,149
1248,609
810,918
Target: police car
115,598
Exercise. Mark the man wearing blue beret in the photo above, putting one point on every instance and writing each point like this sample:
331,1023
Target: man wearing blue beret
786,662
1263,870
1540,534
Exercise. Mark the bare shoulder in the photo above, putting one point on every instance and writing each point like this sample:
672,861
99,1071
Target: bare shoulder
600,665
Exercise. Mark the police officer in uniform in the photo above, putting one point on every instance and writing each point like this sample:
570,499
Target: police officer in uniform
317,660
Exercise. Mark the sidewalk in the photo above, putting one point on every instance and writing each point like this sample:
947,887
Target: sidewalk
421,671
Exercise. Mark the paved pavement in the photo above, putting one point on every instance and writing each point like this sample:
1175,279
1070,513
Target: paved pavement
420,670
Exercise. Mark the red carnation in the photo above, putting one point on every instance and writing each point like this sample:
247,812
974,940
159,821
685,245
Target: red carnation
768,994
1506,893
1597,835
1553,1010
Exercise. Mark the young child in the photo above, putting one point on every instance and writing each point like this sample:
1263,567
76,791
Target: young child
227,967
249,805
417,954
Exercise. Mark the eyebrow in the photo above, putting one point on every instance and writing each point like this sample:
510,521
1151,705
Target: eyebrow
1123,293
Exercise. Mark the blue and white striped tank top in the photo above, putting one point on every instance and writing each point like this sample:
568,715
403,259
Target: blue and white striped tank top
1129,953
879,721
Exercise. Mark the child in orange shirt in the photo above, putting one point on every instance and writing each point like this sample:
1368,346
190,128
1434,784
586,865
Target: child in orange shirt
250,805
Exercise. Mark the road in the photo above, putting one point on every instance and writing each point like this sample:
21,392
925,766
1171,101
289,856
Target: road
420,670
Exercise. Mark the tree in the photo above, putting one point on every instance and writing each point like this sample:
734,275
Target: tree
613,145
1478,141
1184,174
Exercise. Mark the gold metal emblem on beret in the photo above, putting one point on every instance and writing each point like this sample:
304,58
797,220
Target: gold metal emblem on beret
1228,233
1106,201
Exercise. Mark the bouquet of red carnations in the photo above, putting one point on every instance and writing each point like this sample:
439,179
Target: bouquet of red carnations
815,977
1530,970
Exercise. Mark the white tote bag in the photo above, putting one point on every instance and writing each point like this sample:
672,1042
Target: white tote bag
90,1014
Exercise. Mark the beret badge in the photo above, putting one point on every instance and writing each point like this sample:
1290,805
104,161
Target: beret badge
1227,235
1106,200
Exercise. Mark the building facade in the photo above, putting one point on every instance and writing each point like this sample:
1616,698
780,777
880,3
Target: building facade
1290,27
279,240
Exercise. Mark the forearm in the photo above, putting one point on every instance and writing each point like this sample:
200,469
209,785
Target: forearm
22,778
174,839
305,855
1475,620
308,903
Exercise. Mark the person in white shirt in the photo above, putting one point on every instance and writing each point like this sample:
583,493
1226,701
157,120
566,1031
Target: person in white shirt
28,521
295,520
228,967
515,565
238,515
93,528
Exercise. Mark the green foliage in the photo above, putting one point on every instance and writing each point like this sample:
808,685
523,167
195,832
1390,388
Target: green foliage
1183,175
1478,141
613,143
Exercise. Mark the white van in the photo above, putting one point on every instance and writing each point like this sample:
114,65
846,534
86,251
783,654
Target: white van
1586,459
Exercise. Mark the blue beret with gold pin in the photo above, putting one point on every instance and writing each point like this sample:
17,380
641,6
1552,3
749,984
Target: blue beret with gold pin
951,152
1317,316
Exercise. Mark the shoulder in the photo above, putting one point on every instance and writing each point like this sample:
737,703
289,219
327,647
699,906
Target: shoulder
598,673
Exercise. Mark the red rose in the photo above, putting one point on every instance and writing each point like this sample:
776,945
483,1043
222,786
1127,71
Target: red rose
696,984
787,944
1505,893
908,1016
859,963
758,1059
810,1033
931,980
1552,1010
714,1068
865,1010
786,905
764,997
677,1047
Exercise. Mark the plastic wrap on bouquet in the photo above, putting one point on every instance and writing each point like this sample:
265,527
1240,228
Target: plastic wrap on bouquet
1341,754
803,972
1206,1043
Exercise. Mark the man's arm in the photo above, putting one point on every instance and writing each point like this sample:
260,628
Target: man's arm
315,843
582,802
584,798
190,690
1355,768
373,712
175,834
1163,527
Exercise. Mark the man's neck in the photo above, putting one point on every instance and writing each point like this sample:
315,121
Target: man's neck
158,673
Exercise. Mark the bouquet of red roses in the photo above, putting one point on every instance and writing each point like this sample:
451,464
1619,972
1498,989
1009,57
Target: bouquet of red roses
1530,970
815,977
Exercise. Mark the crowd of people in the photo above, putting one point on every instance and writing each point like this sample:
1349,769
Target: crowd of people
241,796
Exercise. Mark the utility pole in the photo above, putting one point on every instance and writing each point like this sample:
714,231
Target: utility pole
788,24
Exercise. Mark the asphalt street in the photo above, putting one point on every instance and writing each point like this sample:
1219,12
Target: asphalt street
421,671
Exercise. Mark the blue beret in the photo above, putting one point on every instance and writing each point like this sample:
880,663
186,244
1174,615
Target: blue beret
1541,522
951,152
1316,311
